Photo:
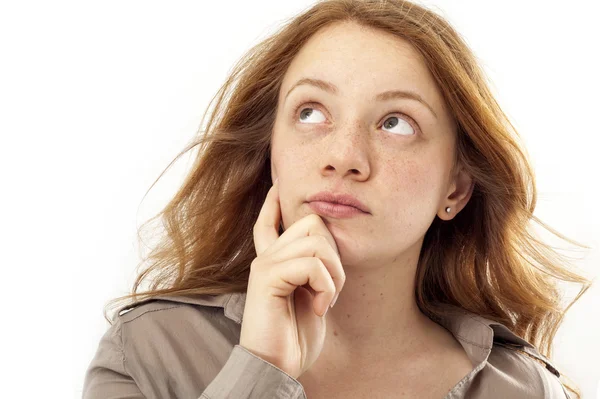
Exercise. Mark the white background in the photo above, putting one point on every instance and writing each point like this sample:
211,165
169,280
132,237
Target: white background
96,98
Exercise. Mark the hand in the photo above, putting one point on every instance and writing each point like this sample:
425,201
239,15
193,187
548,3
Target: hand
283,322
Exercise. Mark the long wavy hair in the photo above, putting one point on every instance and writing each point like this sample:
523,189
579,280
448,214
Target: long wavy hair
487,259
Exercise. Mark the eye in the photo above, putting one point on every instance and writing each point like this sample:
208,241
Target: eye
402,126
307,112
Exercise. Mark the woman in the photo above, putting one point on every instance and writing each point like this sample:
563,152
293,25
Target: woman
400,195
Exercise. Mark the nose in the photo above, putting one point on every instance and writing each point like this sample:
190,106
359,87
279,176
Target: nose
348,152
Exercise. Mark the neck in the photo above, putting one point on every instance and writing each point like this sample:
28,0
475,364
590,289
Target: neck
376,313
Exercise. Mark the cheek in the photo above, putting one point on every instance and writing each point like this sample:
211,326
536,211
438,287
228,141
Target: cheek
413,190
412,179
291,161
291,166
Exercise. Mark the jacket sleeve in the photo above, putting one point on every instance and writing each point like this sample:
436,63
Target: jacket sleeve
244,375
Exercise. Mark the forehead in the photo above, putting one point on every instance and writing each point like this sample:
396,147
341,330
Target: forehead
362,61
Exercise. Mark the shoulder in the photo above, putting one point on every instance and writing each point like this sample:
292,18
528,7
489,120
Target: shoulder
186,346
160,348
506,365
170,340
160,325
155,310
162,320
517,372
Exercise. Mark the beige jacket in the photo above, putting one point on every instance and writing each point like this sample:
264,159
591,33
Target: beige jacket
187,347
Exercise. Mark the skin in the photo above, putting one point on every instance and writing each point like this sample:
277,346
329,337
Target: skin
400,171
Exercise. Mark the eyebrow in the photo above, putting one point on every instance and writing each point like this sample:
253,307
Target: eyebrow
386,95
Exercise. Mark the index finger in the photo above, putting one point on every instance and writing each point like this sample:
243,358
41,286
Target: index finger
266,228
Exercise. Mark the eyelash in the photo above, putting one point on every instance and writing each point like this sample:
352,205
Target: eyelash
413,123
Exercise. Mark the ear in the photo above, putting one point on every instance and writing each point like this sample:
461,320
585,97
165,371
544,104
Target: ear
460,192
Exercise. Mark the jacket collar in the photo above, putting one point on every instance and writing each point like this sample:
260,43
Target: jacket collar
475,333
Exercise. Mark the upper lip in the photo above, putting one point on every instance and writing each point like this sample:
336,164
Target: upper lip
338,198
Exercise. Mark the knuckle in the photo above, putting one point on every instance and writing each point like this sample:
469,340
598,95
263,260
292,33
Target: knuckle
324,269
321,240
318,263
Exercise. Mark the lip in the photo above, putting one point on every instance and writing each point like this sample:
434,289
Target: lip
335,210
338,199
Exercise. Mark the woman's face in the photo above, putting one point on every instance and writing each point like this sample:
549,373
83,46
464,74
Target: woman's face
390,151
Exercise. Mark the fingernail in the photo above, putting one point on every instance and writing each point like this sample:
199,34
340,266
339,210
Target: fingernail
334,299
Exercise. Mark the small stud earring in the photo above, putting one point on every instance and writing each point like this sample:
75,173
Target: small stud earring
448,209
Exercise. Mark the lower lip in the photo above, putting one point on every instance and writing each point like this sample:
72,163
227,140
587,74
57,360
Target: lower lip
335,210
